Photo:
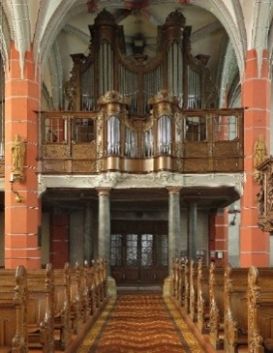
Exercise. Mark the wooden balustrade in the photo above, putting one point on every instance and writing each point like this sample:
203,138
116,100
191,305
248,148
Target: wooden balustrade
79,142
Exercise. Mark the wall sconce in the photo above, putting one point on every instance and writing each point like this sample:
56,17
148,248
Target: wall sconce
234,210
18,197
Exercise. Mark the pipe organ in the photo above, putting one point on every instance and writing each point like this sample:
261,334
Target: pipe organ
140,114
138,76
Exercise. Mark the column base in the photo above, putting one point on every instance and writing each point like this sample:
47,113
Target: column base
111,287
168,287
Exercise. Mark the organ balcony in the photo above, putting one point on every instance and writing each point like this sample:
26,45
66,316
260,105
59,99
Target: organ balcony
127,111
169,138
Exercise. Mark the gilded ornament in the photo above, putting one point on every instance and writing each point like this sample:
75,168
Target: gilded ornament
260,151
18,151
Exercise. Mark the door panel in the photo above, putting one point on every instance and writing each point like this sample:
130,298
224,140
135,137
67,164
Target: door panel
59,251
139,258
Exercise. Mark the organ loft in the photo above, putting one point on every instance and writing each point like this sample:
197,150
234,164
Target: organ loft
136,176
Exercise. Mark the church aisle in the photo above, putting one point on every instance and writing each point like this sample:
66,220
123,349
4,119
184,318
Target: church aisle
138,323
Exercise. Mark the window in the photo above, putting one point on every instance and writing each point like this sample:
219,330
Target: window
195,128
116,250
225,128
132,247
55,130
83,130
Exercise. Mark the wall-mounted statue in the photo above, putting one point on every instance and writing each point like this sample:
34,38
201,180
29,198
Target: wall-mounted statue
259,156
18,151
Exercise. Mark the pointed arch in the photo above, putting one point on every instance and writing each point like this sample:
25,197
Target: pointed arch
230,22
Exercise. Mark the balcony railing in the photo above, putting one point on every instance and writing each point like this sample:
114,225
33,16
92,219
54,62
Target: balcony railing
195,141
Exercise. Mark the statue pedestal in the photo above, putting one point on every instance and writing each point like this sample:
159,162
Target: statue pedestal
111,287
168,287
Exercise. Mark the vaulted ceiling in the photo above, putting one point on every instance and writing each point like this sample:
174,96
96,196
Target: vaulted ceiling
221,29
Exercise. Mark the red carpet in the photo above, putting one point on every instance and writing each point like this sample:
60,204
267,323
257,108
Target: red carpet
140,323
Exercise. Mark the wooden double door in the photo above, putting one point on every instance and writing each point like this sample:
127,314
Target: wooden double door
139,257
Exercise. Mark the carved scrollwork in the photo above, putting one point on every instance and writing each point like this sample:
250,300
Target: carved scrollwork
214,322
255,339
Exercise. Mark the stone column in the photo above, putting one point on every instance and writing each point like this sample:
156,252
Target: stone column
104,224
192,230
174,223
88,236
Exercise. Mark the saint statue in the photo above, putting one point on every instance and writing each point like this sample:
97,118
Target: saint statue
260,153
18,150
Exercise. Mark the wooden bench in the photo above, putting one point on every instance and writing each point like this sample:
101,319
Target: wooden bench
40,309
202,297
13,337
193,290
186,287
216,302
236,308
180,281
62,305
260,310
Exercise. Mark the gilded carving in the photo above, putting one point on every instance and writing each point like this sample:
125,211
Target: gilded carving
214,312
230,325
18,152
260,155
112,97
260,152
214,322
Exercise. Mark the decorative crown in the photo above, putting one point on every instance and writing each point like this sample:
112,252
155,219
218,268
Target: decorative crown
113,97
163,96
175,18
105,18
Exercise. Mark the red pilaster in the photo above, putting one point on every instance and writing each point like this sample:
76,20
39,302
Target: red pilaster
218,231
254,244
22,219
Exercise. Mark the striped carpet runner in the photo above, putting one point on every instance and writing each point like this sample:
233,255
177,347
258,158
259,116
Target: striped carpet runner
138,323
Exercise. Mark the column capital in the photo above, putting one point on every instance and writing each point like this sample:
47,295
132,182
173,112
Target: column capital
103,191
174,189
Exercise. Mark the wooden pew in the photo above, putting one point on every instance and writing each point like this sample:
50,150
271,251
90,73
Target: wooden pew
180,284
202,297
13,295
260,310
40,309
76,296
236,308
216,302
186,287
175,278
62,305
193,291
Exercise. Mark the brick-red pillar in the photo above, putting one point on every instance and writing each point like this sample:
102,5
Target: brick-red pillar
22,219
218,236
254,244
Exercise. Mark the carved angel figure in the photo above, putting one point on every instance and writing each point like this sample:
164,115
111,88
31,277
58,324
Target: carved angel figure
18,150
